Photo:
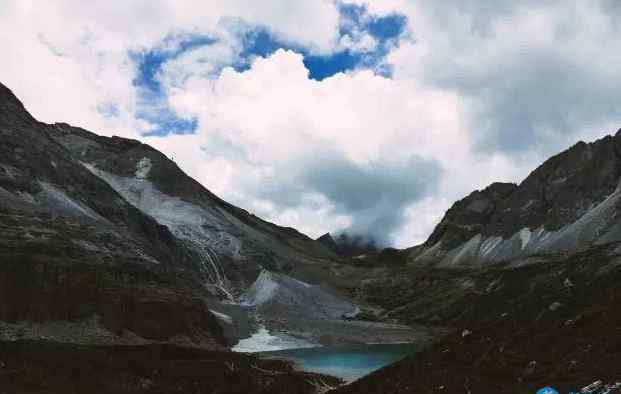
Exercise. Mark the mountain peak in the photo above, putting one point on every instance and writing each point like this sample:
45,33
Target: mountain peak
11,109
562,205
328,241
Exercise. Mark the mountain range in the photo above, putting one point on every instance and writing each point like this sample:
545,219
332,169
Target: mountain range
112,257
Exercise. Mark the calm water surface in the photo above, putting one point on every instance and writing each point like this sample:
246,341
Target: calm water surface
349,362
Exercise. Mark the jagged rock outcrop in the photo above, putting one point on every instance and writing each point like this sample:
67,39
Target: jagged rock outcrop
568,203
328,241
470,216
348,246
204,223
74,253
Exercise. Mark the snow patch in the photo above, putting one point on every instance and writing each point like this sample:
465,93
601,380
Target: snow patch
143,167
307,285
264,341
467,250
489,244
598,225
352,314
188,222
62,203
223,317
261,291
525,236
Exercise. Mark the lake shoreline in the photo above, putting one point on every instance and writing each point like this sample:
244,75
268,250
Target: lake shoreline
347,362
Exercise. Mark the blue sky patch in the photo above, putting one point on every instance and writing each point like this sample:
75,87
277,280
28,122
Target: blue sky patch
321,67
355,22
168,122
387,27
151,95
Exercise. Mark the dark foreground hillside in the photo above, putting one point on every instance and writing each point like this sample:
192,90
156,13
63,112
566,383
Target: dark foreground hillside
54,368
555,322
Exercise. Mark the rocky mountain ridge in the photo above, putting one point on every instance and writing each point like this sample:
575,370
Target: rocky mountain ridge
109,252
106,231
106,242
348,246
79,263
567,204
213,228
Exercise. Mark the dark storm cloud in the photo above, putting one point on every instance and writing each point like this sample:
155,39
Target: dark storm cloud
374,195
478,14
536,95
538,98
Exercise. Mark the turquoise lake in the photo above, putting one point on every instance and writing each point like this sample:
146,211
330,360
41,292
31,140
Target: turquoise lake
349,362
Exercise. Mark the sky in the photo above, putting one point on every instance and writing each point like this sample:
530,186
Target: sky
365,117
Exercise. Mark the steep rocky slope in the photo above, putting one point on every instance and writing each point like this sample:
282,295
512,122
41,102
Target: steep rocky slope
114,264
236,250
567,204
106,241
80,263
215,229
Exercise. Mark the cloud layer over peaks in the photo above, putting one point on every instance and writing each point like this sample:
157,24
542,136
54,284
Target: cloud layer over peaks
367,116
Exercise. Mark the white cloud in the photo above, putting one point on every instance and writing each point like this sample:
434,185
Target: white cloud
80,49
361,42
533,76
485,89
268,120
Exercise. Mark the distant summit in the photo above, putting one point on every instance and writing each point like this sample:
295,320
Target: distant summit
329,242
348,245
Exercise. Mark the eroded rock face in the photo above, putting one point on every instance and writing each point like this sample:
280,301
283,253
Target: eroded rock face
232,244
106,242
123,299
73,250
567,204
114,240
470,216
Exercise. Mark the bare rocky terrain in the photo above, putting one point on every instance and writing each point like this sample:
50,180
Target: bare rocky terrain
107,244
518,327
527,276
139,278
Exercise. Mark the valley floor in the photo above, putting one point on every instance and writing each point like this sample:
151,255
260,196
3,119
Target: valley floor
553,323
